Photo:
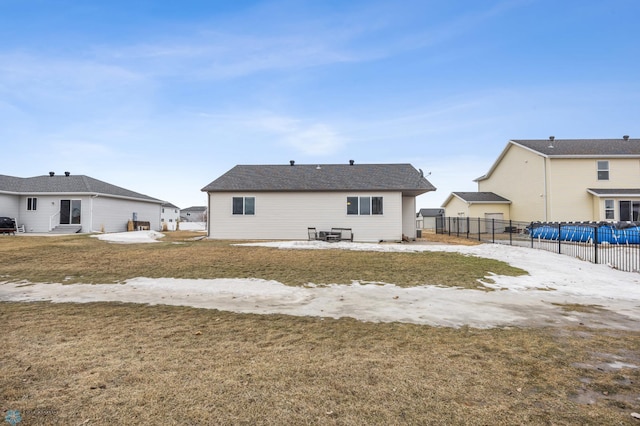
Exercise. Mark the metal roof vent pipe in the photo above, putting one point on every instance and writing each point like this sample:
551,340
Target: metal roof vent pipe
551,139
52,174
291,162
351,162
625,137
67,174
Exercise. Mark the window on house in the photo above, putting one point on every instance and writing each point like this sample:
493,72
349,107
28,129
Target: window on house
376,205
244,205
364,206
629,210
32,203
603,170
352,205
609,212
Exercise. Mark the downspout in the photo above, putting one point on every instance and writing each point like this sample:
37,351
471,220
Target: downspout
545,192
207,223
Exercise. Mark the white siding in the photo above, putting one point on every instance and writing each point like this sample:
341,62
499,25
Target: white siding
409,217
169,216
112,214
9,206
287,215
47,212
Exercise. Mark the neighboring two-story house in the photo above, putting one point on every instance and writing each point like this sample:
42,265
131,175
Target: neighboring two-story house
170,216
557,180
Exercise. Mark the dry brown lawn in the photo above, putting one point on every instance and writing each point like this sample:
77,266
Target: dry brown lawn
73,259
109,363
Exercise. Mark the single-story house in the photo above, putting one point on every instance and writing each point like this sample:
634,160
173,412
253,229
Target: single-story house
74,203
376,201
427,218
557,180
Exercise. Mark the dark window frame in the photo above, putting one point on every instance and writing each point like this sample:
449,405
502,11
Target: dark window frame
243,206
365,205
32,203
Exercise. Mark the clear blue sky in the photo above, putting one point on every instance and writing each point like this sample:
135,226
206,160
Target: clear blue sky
163,97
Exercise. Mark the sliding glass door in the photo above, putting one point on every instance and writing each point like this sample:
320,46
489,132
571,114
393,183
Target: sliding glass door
70,212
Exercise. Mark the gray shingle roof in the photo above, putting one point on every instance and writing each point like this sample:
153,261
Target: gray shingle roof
430,212
195,209
325,177
583,147
481,197
611,191
73,184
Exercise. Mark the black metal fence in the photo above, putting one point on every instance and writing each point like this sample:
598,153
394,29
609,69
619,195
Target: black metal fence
613,244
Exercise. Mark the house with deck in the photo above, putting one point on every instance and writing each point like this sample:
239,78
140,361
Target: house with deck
555,180
74,203
377,202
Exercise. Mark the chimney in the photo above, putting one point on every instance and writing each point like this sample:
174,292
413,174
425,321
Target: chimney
552,138
67,174
625,137
291,162
351,162
52,174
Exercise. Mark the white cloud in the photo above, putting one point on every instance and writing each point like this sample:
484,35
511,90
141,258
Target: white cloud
313,139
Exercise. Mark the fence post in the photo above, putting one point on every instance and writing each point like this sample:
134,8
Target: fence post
493,231
458,227
559,240
449,225
468,227
479,229
510,233
531,233
595,244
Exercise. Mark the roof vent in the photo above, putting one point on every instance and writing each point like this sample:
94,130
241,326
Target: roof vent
67,173
351,162
551,139
292,162
625,137
52,173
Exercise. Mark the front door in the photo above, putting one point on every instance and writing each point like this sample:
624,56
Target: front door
70,212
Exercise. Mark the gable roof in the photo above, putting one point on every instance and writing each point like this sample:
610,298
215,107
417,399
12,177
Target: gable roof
72,184
194,209
572,148
477,198
583,147
324,177
430,212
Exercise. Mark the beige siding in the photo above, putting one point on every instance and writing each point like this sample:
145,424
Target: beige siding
519,177
570,178
482,209
456,208
287,215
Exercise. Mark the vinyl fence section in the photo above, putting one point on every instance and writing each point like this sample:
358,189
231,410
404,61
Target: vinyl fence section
613,244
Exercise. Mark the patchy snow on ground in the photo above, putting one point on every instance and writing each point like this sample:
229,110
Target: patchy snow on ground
535,299
133,237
